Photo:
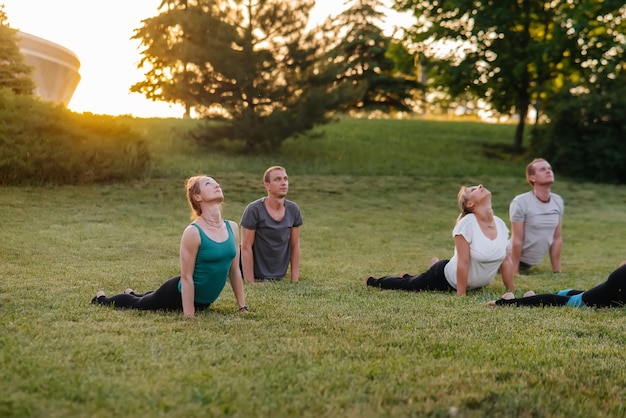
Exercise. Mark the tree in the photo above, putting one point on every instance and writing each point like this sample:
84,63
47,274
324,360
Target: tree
173,43
14,73
367,58
586,133
586,136
247,65
513,54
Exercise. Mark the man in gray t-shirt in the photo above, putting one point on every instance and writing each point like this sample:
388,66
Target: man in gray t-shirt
536,219
270,232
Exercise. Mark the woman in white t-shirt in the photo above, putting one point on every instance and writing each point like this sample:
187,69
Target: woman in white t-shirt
480,250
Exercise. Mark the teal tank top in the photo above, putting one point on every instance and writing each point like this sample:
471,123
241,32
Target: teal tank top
212,266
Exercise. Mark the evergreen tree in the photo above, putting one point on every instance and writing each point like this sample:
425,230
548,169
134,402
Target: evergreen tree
249,64
14,73
172,54
372,62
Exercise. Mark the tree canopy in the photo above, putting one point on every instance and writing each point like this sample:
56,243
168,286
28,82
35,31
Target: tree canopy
515,54
15,74
370,61
249,66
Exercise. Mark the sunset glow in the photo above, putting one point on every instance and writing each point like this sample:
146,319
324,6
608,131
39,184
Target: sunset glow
99,34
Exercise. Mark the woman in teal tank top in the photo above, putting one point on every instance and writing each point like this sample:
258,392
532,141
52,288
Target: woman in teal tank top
209,253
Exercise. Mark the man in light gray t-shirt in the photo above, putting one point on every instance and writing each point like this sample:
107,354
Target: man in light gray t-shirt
536,218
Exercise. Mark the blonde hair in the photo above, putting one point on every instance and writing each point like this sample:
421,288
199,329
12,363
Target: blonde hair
530,169
462,200
266,175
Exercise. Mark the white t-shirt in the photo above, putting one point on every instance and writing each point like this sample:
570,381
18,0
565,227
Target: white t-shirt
540,220
486,255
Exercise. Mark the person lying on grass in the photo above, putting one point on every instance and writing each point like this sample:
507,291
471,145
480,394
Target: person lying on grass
480,250
209,252
610,294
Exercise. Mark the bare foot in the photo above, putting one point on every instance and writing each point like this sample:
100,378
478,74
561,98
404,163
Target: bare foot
129,291
507,296
529,293
98,296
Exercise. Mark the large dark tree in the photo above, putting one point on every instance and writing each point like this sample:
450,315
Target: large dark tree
363,51
586,136
513,54
586,133
249,64
14,73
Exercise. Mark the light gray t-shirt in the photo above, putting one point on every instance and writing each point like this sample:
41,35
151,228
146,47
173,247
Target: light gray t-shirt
540,221
270,250
486,255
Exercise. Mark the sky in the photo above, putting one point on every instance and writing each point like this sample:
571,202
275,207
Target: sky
99,33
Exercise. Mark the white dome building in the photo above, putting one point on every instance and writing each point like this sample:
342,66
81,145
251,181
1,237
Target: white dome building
55,68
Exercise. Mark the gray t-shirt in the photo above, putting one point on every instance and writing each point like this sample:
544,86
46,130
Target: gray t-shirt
540,220
270,250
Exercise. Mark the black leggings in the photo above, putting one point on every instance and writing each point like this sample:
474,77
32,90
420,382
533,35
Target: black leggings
167,297
611,293
431,279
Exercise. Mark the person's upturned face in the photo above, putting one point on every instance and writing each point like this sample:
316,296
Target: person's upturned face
210,189
543,173
476,194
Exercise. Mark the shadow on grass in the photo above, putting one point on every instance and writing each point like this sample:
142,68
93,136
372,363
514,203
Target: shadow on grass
504,152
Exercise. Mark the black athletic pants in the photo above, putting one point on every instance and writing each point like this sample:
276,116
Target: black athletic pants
166,297
431,279
611,293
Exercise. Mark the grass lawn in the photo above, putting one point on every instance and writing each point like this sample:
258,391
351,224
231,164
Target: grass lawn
377,197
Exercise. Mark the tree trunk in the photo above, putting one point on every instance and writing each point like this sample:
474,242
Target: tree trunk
519,130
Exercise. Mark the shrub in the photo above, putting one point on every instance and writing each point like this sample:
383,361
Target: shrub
44,143
586,137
